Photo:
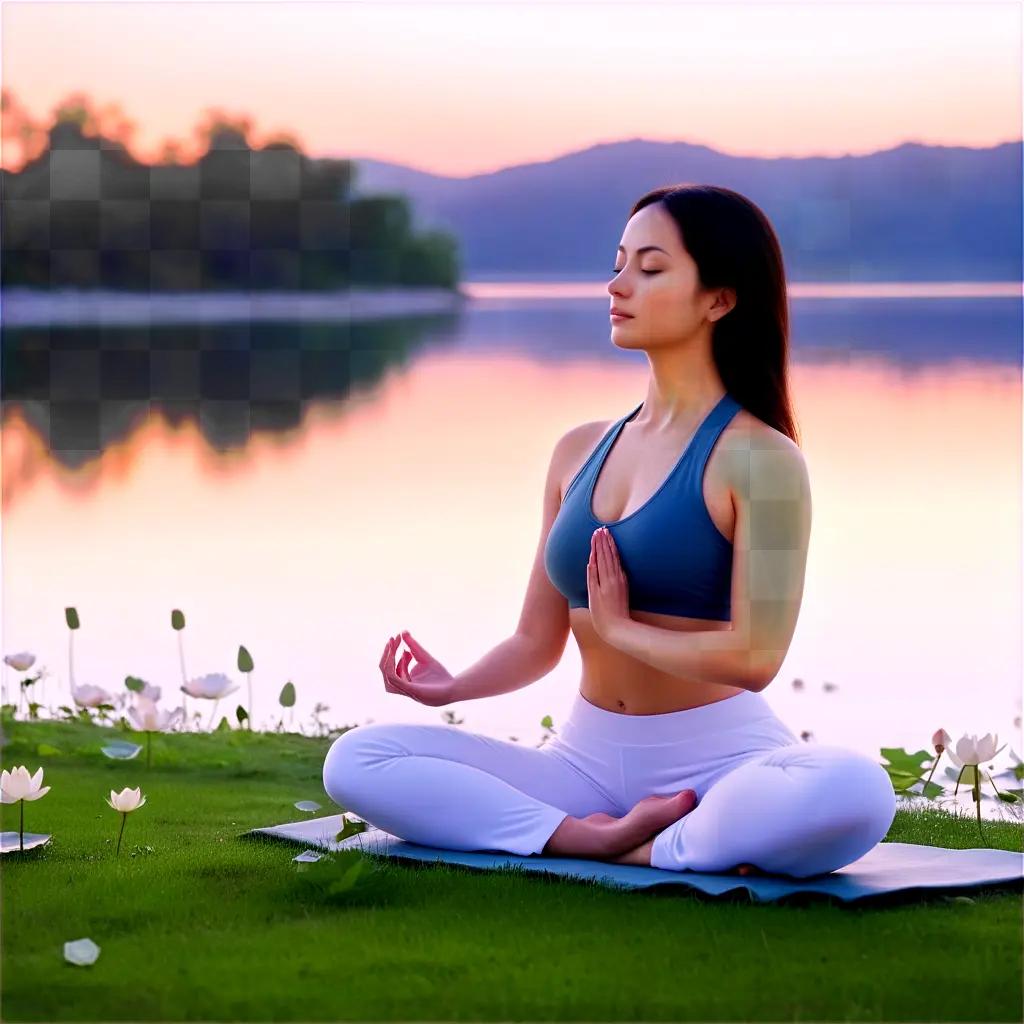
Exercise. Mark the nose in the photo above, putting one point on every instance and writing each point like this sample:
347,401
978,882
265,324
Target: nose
615,288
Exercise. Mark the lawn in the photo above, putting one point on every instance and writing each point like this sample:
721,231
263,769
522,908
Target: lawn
195,923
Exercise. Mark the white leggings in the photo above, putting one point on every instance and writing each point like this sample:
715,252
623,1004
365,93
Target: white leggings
764,797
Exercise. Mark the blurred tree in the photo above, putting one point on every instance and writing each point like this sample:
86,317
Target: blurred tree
84,212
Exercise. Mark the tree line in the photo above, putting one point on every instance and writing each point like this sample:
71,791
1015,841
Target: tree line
83,212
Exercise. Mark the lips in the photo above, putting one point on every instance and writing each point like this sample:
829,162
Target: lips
618,312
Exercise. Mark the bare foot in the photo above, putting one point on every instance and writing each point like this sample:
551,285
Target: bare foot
638,855
601,836
642,854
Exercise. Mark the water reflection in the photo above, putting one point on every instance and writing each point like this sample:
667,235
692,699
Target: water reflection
83,389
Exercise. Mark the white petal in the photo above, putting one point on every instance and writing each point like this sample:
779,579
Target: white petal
18,784
965,749
21,661
987,747
81,952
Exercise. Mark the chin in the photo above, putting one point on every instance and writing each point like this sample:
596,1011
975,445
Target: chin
619,340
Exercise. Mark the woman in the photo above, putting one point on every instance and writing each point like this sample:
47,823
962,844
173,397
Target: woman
674,546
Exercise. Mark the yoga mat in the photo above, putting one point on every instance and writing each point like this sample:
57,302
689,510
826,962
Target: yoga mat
888,868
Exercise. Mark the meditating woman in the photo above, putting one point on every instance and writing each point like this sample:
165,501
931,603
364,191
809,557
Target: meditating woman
673,547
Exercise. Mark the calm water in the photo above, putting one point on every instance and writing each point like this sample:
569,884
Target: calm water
309,490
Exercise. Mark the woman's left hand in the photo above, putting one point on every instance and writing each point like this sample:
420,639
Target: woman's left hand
607,586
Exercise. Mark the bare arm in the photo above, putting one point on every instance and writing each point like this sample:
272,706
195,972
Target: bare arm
773,524
513,664
536,646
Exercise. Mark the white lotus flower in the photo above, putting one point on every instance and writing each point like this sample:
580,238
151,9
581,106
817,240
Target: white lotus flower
81,952
19,785
969,750
212,686
89,696
127,800
150,692
22,661
149,718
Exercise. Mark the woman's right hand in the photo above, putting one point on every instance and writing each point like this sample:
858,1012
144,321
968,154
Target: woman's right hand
427,682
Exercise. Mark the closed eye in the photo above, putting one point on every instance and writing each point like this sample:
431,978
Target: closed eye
618,270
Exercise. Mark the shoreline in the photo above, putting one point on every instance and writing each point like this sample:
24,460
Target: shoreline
37,307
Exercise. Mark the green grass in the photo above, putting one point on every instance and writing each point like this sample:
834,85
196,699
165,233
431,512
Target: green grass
209,926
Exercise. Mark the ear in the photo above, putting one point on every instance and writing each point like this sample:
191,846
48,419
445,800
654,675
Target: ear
724,303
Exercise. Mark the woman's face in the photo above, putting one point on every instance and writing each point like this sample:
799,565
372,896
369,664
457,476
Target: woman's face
656,283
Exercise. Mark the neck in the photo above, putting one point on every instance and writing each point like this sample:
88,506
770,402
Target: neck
684,384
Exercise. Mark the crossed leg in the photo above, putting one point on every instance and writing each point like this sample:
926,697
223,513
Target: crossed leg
800,810
440,785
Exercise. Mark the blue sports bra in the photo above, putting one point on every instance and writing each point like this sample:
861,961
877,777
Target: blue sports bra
675,559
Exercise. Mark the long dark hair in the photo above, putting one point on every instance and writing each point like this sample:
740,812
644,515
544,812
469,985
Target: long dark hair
735,246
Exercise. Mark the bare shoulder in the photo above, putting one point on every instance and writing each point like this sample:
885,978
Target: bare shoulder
746,431
751,449
574,446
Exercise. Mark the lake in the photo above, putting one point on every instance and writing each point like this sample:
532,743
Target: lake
308,489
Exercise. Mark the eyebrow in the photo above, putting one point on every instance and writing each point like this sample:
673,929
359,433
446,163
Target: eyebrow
644,248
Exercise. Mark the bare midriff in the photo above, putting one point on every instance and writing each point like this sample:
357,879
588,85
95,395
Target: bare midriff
618,682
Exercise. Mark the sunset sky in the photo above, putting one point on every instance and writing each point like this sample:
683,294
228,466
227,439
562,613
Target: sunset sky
464,88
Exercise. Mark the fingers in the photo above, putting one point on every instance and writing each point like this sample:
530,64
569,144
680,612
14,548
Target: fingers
403,667
392,682
605,556
415,646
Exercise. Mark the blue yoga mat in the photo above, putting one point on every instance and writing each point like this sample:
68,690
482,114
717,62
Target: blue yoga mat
888,868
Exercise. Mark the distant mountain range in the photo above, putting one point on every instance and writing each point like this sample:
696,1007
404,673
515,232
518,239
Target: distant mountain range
912,213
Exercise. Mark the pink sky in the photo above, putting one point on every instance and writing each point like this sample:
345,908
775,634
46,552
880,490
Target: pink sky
464,88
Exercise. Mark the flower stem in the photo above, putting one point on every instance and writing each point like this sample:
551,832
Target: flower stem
994,786
935,765
21,829
184,677
149,761
124,818
977,799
